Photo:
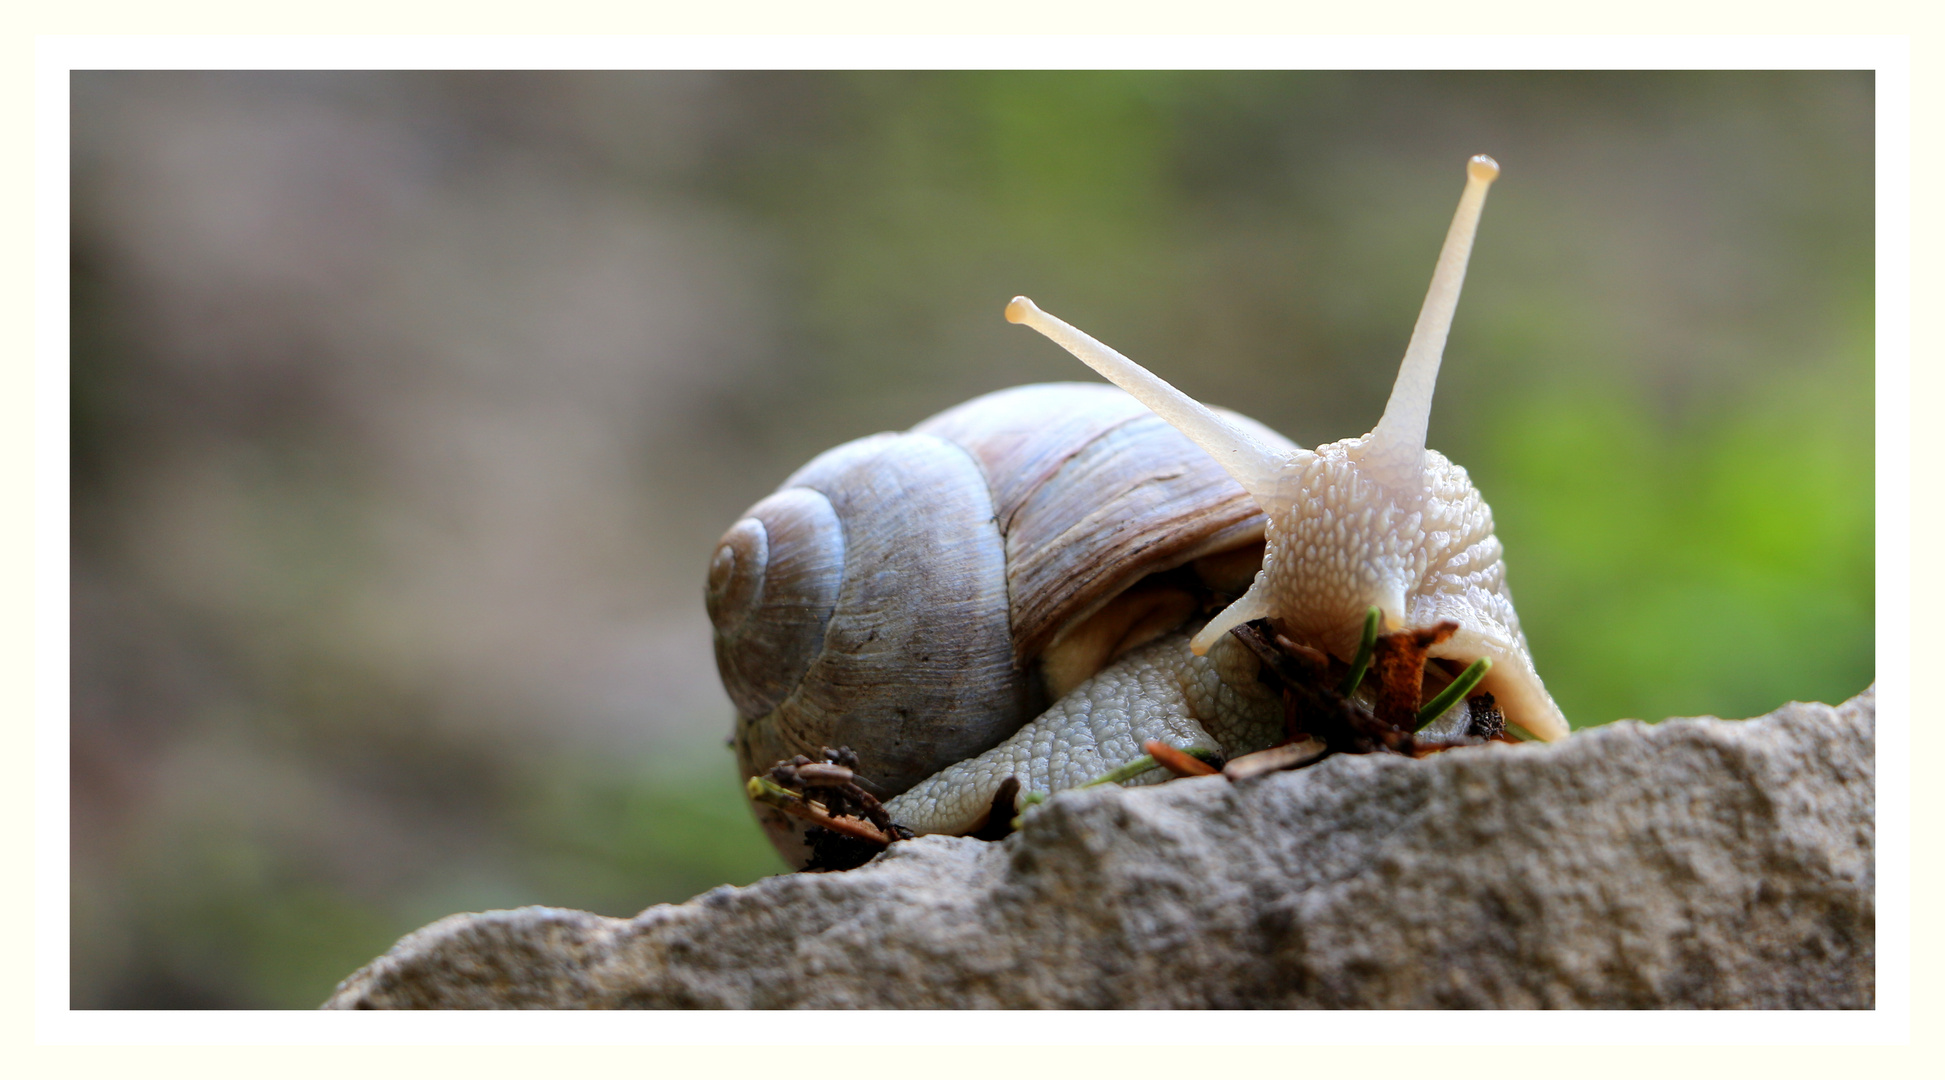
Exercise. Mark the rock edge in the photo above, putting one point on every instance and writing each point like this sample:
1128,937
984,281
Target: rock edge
1693,863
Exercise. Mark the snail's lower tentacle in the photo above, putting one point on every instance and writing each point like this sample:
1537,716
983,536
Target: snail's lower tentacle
1160,691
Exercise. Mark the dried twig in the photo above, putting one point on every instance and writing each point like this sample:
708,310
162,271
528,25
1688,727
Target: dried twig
765,790
1275,759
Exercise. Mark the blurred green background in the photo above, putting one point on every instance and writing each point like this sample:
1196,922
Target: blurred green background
407,409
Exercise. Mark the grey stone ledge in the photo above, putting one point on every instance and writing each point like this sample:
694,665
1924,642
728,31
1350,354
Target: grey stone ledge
1692,863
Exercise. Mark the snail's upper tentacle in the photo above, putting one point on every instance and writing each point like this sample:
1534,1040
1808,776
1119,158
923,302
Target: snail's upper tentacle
1249,461
1394,449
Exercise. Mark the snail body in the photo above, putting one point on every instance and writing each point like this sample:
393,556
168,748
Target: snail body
1026,597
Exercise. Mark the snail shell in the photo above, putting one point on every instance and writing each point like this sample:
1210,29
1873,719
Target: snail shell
920,596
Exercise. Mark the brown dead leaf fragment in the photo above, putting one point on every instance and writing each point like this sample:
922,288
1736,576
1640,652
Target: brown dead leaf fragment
1399,663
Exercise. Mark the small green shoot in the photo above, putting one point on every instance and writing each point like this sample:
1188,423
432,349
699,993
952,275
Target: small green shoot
764,790
1129,771
1362,661
1132,769
1027,802
1450,696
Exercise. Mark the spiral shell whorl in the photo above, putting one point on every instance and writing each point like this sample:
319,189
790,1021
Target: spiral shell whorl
773,585
899,653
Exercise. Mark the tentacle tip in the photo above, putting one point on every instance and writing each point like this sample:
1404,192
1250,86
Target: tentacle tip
1020,309
1481,168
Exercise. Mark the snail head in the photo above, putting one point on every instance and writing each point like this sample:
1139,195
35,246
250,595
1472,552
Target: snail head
1374,521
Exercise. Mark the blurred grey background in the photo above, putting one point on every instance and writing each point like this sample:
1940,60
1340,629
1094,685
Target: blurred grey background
407,408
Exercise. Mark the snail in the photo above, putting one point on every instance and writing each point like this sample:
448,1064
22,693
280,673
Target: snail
1015,587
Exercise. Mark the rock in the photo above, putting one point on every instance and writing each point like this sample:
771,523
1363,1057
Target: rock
1693,863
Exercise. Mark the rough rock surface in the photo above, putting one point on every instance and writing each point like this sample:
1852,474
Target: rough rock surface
1691,863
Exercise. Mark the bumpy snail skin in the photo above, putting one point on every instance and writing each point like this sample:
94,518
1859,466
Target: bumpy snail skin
1341,543
1160,691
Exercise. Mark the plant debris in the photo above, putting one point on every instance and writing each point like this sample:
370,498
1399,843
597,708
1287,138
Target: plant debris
1288,755
1179,762
848,824
1399,662
1487,722
1323,714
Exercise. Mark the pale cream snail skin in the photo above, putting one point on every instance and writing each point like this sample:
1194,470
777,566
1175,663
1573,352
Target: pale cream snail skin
1379,520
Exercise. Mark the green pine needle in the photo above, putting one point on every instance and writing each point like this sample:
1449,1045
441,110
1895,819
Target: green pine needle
1362,661
1449,696
1126,772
